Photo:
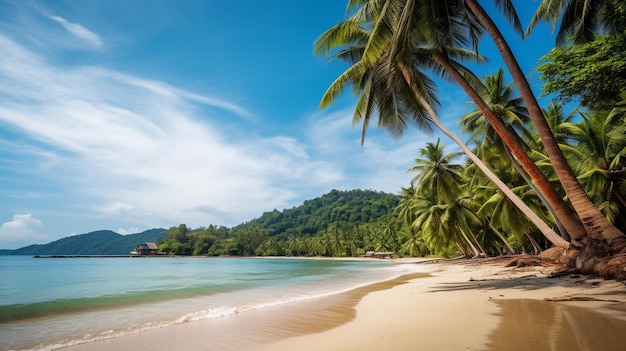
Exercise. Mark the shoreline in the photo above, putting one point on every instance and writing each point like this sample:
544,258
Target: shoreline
464,304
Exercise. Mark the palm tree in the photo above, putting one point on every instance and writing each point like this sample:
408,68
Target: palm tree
596,226
443,23
398,91
436,172
413,243
440,24
597,154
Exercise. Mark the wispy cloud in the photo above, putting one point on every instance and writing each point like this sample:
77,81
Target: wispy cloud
79,31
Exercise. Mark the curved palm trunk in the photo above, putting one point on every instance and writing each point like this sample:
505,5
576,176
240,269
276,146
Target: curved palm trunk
550,234
471,246
539,194
461,249
535,244
480,247
596,225
511,251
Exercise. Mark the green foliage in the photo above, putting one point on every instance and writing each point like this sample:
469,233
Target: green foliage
594,73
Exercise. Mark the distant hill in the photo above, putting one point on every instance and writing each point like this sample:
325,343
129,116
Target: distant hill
103,242
313,216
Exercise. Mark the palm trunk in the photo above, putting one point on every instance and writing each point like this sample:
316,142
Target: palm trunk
480,247
596,225
534,243
564,213
471,246
461,249
511,251
550,234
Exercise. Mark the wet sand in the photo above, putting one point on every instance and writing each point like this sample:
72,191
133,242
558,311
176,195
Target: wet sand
459,305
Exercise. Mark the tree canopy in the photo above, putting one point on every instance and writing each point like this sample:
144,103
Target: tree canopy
593,73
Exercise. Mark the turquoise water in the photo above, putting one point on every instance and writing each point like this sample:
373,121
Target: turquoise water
50,303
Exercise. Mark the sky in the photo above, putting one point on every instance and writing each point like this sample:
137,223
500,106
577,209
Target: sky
129,115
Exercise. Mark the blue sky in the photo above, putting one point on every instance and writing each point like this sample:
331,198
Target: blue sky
130,115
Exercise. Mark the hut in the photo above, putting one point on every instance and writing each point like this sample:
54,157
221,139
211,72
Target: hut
376,254
148,248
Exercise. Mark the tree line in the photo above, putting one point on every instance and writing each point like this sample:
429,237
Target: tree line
340,224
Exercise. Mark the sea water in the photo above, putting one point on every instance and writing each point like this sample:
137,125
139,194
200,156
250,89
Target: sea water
50,303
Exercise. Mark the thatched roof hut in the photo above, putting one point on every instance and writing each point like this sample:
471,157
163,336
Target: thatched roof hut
148,248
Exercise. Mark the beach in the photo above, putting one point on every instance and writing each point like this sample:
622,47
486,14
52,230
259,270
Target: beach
453,305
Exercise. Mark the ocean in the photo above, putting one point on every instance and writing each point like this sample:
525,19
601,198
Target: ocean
52,303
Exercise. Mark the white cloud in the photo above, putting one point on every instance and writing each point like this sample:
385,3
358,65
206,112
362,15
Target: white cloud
79,31
131,230
23,228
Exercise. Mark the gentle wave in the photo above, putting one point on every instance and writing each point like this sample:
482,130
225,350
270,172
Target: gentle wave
217,312
19,312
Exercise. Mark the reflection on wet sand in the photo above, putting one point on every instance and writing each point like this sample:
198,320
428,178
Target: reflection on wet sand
539,325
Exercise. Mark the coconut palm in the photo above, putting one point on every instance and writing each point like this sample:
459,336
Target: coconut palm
395,89
437,172
413,243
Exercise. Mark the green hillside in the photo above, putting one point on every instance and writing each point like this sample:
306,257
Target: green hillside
350,206
103,242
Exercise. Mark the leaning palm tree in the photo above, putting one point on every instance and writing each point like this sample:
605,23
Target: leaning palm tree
596,226
399,92
442,24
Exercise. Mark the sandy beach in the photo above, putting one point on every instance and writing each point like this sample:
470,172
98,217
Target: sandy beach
455,305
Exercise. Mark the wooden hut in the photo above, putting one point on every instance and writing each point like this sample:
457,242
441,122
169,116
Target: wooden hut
148,248
376,254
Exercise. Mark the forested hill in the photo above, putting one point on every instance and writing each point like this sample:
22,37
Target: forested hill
351,206
102,242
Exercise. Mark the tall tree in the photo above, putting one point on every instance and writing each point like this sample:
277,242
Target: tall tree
598,236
